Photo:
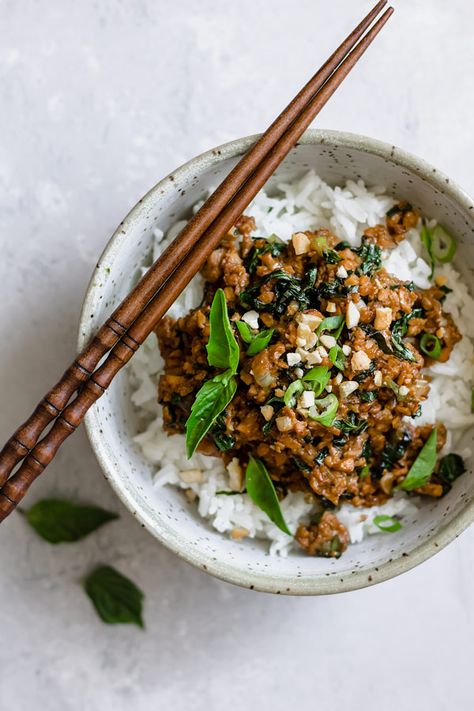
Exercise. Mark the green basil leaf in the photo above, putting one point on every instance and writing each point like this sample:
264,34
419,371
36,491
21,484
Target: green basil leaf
260,341
318,377
423,466
60,521
244,331
261,490
212,398
222,347
387,524
115,597
257,342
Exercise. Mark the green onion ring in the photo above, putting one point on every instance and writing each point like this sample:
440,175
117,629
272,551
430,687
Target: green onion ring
430,345
387,524
443,245
324,411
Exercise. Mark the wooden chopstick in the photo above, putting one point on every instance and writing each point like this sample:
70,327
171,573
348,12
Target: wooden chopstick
118,323
184,270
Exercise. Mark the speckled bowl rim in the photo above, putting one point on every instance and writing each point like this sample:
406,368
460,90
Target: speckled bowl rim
252,579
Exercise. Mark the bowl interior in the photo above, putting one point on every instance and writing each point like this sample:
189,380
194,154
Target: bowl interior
112,423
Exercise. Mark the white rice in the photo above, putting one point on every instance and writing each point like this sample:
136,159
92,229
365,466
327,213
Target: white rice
308,203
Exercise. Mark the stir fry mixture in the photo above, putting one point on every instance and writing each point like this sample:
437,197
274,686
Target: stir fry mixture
303,370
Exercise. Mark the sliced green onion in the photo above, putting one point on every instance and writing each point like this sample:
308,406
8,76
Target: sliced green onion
364,472
443,245
319,244
337,357
324,411
427,240
318,377
430,345
293,390
329,324
387,524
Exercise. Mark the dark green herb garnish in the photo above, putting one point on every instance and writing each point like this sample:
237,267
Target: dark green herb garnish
222,440
399,330
394,451
367,395
353,424
331,257
339,441
59,521
115,597
397,209
410,285
277,403
287,288
272,245
364,374
340,246
261,490
423,466
230,493
371,257
451,467
302,466
321,455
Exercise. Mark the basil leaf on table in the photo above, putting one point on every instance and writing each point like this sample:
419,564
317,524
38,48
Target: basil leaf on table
60,521
423,466
261,490
212,398
222,347
116,598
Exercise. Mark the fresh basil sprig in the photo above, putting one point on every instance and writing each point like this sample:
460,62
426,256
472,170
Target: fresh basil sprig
256,342
261,490
212,398
222,347
423,466
59,521
115,597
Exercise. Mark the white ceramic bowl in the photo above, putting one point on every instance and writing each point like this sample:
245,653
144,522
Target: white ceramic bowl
111,424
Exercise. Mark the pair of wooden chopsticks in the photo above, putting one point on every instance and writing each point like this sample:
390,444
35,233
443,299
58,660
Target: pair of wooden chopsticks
138,314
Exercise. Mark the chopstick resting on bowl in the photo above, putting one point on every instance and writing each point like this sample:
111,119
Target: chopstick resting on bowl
136,317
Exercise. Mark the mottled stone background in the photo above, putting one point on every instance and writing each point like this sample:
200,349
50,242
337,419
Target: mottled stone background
99,99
